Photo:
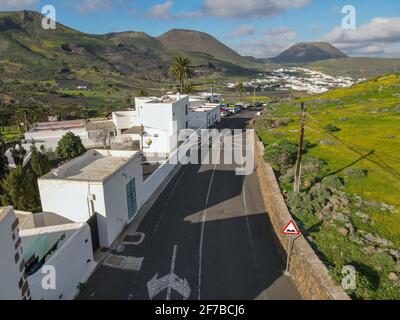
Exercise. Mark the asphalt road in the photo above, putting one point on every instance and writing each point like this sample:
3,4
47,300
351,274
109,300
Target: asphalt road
206,237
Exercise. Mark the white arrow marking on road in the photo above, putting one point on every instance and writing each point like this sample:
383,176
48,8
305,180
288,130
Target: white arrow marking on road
171,281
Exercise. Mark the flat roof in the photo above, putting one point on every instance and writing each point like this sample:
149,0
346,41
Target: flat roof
94,165
164,99
59,125
4,211
205,107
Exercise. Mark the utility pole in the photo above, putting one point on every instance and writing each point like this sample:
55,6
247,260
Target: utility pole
254,95
141,138
300,149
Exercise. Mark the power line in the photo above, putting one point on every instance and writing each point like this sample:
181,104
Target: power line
378,167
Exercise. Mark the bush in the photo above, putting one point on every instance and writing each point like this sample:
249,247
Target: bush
333,183
356,173
310,202
331,128
281,155
70,146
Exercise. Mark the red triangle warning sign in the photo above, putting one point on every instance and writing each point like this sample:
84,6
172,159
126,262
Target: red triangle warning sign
291,228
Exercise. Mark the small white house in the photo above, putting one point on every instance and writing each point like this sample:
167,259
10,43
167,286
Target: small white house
211,97
105,183
204,116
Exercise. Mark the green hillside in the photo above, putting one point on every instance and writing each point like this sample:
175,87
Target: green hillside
357,67
39,67
350,201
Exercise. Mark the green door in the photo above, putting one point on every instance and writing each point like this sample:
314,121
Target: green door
131,198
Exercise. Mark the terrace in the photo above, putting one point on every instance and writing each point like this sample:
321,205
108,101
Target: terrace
94,165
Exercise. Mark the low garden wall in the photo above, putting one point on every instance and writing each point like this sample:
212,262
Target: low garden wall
307,271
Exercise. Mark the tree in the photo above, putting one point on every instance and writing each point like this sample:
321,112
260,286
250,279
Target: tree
181,70
18,154
3,159
19,190
70,146
39,161
189,89
240,90
143,93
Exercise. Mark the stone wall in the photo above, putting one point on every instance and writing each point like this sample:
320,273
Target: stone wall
309,274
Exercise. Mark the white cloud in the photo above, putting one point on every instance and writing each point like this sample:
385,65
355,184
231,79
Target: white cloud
242,31
16,4
87,6
280,33
271,43
249,8
228,9
161,11
380,36
261,48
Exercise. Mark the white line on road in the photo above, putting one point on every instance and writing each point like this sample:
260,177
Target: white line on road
203,221
172,270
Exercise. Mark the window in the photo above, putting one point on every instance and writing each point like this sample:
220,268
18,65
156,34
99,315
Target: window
131,198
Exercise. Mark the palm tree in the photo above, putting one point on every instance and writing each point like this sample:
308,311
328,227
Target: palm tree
181,70
240,90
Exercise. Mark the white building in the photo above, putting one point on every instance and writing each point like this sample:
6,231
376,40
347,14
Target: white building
42,244
13,283
204,116
162,118
211,97
105,183
50,133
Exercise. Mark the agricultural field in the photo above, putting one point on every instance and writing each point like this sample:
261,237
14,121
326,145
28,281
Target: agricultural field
10,133
349,204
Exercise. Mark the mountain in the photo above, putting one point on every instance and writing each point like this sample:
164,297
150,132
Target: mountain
195,41
28,50
307,52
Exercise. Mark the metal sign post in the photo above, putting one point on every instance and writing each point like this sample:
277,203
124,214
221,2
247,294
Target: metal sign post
290,230
289,254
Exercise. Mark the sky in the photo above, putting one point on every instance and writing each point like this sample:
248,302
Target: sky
260,28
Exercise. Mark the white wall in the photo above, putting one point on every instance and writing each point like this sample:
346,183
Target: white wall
54,134
10,274
67,198
115,199
71,262
157,177
124,119
204,118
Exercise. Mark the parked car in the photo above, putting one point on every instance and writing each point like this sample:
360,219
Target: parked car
224,111
234,109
